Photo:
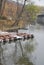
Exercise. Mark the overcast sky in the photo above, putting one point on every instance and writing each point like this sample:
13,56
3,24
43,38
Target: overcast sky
38,2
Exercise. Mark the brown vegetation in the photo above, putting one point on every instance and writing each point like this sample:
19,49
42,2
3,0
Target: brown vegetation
9,12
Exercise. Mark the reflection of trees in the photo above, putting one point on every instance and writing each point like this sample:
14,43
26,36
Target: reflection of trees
29,47
24,61
2,60
1,54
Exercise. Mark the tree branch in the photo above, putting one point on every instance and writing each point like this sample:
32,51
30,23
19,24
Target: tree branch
18,18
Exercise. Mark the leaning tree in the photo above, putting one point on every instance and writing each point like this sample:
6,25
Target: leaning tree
18,15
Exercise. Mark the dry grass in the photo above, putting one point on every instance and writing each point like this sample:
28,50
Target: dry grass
6,25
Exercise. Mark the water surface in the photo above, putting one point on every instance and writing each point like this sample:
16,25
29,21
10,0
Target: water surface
32,52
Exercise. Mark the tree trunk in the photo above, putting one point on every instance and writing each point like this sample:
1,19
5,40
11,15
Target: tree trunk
19,15
2,6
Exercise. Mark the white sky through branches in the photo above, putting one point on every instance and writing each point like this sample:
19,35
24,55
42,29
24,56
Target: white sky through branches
37,2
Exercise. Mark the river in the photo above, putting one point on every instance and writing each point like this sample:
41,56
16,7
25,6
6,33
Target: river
33,50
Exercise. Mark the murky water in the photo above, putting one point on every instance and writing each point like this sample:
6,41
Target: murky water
31,52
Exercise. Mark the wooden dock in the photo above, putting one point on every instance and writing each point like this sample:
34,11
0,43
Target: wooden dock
6,36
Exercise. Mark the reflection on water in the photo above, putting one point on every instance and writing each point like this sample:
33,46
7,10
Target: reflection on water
17,53
29,47
24,61
28,52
